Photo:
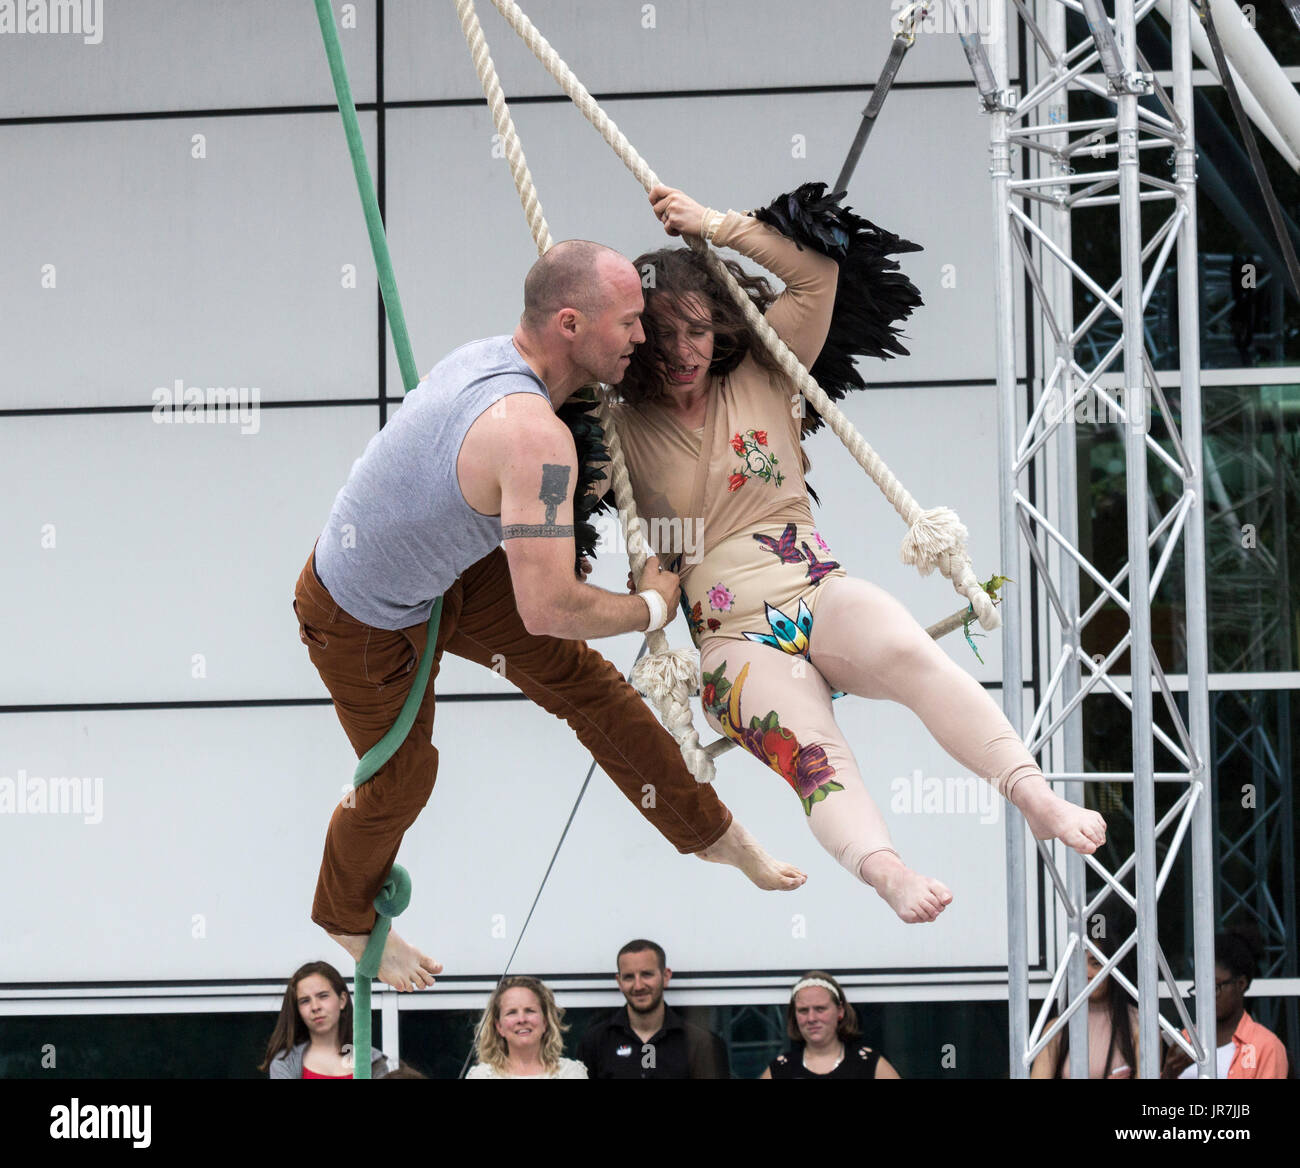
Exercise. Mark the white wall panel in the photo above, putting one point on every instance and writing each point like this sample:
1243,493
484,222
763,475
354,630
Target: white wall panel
462,246
941,442
183,55
171,540
219,271
618,46
222,813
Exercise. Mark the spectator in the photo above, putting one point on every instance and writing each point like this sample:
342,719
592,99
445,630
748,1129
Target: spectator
1246,1050
824,1028
1112,1025
520,1035
313,1035
646,1039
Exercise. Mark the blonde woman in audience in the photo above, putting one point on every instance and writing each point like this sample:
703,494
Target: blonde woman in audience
520,1035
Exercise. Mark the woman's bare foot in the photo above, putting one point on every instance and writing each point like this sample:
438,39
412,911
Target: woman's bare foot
1051,817
741,850
401,966
915,898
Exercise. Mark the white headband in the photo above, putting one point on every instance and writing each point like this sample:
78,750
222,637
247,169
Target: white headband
814,981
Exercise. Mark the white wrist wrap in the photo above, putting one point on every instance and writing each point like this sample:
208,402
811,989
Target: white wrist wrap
658,610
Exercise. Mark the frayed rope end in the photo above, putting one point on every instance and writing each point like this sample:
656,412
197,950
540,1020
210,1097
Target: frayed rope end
659,675
935,533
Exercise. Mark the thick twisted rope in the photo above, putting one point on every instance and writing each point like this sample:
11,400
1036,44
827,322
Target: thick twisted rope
936,537
668,676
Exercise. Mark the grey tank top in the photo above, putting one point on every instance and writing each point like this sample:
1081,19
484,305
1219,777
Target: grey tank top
400,532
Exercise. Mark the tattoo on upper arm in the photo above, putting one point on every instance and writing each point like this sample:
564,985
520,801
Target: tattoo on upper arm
555,489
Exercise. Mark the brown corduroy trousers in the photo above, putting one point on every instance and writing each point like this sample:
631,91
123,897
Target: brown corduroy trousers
369,671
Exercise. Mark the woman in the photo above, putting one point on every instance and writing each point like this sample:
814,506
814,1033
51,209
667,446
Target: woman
1112,1027
823,1026
313,1035
520,1035
711,432
1245,1049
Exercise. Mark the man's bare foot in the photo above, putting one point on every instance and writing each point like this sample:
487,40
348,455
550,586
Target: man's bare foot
401,966
741,850
915,898
1051,817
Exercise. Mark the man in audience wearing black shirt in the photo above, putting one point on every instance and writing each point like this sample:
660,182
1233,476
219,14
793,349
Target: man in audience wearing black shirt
647,1040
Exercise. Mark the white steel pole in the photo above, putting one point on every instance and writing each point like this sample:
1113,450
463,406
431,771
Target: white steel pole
1198,704
1138,412
1012,673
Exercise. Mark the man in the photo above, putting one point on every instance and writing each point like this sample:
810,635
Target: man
647,1040
476,458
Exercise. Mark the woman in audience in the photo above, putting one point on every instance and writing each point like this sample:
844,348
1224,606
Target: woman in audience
313,1035
824,1028
520,1035
1112,1024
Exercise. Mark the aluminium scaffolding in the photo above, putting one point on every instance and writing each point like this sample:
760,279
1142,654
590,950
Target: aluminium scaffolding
1034,217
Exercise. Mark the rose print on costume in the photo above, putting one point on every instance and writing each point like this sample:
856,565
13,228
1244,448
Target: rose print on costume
694,618
821,543
805,768
758,462
790,636
721,598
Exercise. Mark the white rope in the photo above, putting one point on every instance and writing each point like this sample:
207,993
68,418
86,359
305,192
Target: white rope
936,538
667,676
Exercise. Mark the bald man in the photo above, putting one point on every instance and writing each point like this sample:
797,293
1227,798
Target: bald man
467,493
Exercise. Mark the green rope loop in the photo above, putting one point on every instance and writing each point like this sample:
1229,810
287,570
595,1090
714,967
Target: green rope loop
391,901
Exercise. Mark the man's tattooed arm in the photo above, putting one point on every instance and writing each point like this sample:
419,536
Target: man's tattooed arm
555,489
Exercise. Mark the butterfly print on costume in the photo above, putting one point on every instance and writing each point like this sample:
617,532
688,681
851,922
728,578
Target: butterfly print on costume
818,570
782,548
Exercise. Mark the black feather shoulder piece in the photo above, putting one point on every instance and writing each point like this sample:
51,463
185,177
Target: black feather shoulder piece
873,295
579,414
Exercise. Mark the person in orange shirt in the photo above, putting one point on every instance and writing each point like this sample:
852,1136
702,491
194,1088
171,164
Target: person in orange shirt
1246,1050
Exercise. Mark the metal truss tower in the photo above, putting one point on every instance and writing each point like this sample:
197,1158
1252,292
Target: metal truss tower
1038,198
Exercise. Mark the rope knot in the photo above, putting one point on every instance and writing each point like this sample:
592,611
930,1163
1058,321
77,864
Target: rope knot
933,534
395,894
659,675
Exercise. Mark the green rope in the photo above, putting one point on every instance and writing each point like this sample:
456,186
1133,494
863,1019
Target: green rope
396,893
392,899
387,746
366,188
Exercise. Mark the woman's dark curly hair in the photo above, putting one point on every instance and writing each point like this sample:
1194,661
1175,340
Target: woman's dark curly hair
667,277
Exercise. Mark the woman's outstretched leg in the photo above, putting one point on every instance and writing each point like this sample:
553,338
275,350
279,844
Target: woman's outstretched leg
778,707
864,642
